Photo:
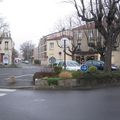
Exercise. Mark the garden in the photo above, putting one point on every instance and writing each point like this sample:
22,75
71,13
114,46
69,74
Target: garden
64,79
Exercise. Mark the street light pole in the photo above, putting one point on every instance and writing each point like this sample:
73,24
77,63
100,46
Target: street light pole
64,54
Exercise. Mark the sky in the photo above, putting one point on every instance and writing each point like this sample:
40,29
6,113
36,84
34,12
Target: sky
30,20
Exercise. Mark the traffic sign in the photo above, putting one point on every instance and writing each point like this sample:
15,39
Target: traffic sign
84,68
52,60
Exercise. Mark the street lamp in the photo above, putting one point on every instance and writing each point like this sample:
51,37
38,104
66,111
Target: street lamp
64,43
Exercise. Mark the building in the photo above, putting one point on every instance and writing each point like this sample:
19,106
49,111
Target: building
51,46
88,37
85,38
6,48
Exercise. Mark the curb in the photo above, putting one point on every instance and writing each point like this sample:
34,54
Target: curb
17,87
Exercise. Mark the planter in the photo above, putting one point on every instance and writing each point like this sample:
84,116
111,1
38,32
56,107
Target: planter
67,83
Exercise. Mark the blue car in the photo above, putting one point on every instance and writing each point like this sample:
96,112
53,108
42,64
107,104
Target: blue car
99,64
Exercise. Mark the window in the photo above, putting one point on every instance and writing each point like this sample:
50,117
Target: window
51,45
6,45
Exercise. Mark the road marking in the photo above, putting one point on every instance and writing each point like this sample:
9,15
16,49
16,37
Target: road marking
2,94
19,76
4,74
23,75
7,90
37,100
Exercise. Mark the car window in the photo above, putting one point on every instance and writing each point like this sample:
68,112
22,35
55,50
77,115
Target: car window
61,63
72,63
89,62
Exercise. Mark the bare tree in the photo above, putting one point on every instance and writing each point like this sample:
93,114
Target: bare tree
4,28
106,16
65,27
27,50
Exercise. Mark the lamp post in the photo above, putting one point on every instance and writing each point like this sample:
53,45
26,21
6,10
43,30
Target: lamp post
64,44
64,54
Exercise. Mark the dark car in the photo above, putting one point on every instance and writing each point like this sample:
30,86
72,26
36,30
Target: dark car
99,64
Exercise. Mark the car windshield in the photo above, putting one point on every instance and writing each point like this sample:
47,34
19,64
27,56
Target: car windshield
72,63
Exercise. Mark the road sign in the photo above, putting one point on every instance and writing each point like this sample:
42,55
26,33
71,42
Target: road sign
84,68
52,60
65,41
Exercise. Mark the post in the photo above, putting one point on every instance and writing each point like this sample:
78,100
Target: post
64,54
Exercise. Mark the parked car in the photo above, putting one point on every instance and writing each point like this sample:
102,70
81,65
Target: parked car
26,62
70,65
99,64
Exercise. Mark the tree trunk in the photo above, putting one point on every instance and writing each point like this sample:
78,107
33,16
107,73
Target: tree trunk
102,57
108,55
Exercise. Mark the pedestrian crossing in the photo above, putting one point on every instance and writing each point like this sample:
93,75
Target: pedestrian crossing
4,92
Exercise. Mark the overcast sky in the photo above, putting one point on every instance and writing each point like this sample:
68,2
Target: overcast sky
32,19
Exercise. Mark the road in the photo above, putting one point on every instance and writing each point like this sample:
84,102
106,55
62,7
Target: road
101,104
23,74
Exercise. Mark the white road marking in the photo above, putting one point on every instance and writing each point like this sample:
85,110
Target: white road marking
7,90
20,76
4,74
2,94
37,100
23,75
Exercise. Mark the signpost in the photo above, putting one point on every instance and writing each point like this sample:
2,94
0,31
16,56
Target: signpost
64,44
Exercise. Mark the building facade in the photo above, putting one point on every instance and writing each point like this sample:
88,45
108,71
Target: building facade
51,46
6,48
84,37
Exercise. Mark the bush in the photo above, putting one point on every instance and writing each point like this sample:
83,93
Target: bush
92,69
53,81
39,75
37,62
76,74
99,78
57,69
65,75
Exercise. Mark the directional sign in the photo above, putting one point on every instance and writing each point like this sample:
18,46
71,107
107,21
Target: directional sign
84,68
52,60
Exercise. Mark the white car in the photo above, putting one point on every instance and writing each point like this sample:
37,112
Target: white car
26,61
70,65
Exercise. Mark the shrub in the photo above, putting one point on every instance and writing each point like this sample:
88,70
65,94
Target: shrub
65,75
39,75
37,62
92,69
76,74
57,69
53,81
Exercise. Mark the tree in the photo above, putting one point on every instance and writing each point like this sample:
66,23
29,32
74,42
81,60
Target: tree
14,54
27,50
4,28
65,27
106,16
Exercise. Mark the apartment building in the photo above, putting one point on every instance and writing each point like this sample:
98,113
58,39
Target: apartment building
51,46
84,37
89,37
6,48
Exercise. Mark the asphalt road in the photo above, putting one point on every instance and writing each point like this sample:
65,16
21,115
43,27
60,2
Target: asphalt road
102,104
23,74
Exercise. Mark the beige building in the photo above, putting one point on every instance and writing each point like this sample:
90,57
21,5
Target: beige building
6,48
51,46
87,36
84,37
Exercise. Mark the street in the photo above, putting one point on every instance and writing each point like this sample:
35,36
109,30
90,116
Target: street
100,104
23,74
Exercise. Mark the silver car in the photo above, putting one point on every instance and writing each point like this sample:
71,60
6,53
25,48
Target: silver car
70,65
